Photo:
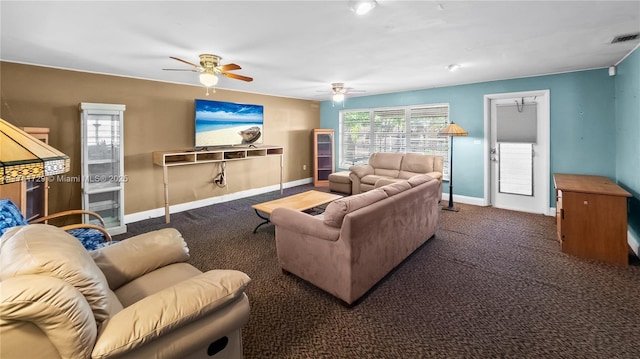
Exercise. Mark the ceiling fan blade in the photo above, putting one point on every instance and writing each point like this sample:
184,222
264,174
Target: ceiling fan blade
185,61
181,70
229,67
238,77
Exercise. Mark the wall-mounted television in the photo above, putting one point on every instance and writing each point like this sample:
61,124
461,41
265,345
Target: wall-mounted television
227,124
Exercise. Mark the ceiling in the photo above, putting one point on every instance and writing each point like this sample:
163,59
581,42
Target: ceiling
298,48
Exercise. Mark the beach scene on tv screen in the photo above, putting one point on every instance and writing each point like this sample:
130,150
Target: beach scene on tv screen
226,123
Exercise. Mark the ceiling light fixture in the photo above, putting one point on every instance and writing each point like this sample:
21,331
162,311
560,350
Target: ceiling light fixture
362,7
453,67
208,79
339,97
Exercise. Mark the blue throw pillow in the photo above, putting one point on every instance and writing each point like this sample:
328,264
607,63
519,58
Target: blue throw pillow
10,216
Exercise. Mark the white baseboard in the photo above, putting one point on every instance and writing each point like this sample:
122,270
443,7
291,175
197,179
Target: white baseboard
481,202
159,212
464,199
634,243
181,207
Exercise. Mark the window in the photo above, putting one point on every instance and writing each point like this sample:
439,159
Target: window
398,129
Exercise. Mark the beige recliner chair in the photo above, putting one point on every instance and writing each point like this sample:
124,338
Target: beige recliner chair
134,299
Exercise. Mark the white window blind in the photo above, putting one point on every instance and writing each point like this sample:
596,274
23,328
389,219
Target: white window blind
389,130
516,168
398,129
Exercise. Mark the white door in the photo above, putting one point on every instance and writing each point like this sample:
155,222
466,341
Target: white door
518,154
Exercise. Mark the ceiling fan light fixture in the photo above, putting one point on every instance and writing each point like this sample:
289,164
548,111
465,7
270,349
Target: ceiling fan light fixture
208,79
362,7
339,97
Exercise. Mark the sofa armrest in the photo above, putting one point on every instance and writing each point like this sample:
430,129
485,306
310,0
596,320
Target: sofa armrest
356,173
438,164
303,223
163,312
57,308
435,175
361,170
133,257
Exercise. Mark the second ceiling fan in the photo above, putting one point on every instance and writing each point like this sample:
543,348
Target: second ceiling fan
339,90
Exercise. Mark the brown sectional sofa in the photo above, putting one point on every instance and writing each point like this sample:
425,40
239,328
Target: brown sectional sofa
384,168
359,239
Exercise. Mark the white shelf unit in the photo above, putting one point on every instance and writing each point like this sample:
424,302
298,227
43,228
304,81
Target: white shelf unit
103,177
168,159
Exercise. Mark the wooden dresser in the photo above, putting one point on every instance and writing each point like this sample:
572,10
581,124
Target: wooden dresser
591,215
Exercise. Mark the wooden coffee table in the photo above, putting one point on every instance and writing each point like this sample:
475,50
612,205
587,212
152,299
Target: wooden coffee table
299,202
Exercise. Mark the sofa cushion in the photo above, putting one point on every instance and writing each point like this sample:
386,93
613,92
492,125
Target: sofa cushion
386,163
395,187
372,179
47,250
419,179
152,250
416,163
336,210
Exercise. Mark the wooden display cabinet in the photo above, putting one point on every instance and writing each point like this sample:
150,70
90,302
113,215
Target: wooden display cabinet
591,217
322,156
32,196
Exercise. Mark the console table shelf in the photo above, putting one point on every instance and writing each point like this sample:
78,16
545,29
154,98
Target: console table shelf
168,159
190,157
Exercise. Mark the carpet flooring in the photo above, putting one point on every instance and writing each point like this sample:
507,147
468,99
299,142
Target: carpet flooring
492,283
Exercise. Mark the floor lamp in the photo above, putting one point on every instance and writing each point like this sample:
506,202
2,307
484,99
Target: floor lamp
452,130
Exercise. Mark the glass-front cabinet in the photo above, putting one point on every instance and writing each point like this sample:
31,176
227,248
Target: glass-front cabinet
322,156
103,176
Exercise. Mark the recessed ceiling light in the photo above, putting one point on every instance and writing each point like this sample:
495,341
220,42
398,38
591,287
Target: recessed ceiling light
453,67
362,7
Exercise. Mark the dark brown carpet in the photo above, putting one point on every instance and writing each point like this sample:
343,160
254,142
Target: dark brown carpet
492,283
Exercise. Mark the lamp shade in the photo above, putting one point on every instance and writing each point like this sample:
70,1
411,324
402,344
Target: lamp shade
24,157
453,130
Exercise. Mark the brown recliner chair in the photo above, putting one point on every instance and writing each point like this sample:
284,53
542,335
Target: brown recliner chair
134,299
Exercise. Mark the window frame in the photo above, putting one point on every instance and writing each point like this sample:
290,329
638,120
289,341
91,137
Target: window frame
370,136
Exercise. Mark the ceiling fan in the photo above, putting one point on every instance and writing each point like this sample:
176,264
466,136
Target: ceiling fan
339,90
210,67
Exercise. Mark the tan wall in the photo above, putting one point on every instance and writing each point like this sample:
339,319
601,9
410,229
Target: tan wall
158,116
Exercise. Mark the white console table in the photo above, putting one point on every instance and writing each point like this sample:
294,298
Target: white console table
168,159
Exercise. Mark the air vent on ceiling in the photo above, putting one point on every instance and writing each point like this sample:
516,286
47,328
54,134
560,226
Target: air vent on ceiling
627,37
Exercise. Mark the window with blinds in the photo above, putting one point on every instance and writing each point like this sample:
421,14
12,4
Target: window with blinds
398,129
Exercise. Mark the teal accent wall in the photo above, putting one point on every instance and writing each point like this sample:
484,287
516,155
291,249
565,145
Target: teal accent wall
583,132
627,138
